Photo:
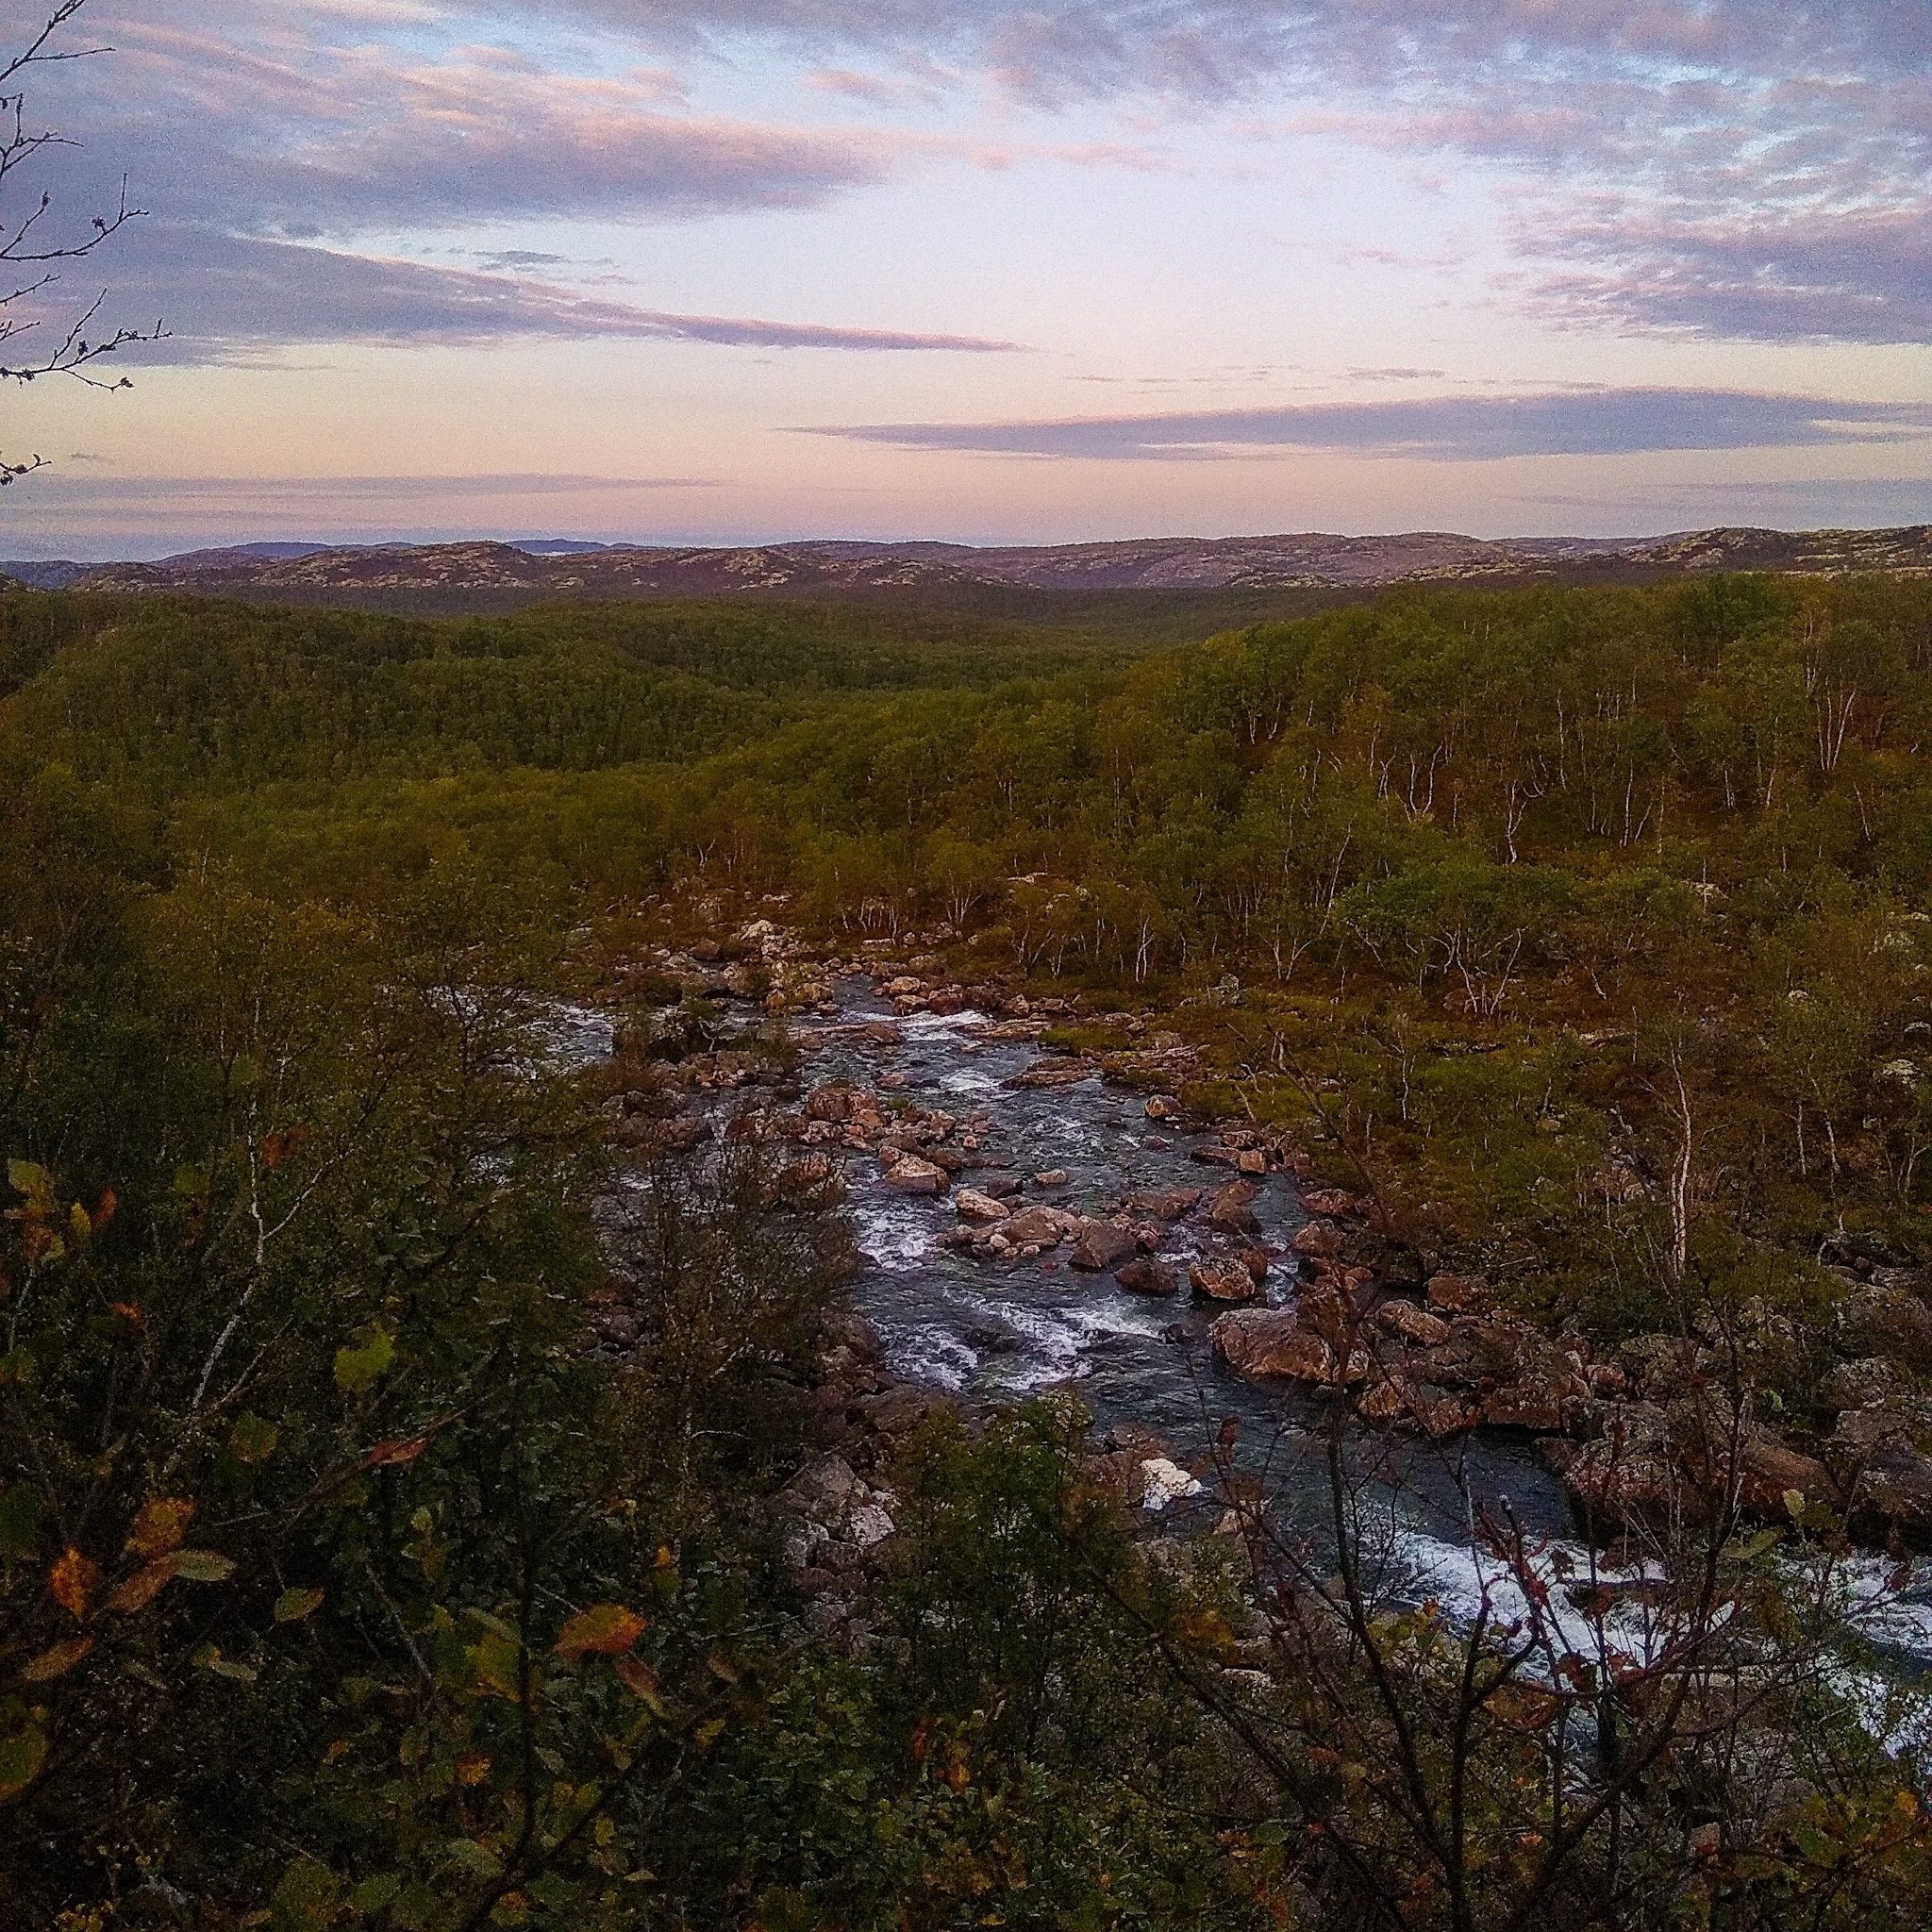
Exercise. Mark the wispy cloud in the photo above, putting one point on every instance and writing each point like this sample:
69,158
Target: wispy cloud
250,494
231,298
1725,168
1439,430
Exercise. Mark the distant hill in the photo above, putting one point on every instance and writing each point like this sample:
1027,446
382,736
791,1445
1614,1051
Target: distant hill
43,575
556,567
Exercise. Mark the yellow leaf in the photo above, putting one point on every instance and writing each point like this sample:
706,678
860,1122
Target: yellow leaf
64,1657
358,1368
145,1585
608,1628
499,1665
160,1526
74,1580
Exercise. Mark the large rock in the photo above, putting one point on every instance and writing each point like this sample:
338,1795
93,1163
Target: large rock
1889,1321
1330,1202
1262,1344
1865,1384
829,1103
1039,1227
1627,1478
646,1136
1397,1397
1411,1323
912,1175
1316,1241
971,1205
1231,1210
1147,1277
1103,1245
1219,1280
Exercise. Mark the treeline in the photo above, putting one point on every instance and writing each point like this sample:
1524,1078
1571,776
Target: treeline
190,695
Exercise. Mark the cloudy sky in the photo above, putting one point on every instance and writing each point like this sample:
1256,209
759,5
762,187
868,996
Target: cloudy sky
990,270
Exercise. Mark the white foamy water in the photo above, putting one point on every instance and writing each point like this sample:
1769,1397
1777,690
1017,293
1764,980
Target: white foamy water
892,1235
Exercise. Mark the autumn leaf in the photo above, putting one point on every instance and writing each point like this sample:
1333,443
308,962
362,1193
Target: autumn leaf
386,1454
293,1604
607,1628
276,1148
160,1526
472,1768
145,1585
64,1657
128,1313
641,1680
103,1208
74,1580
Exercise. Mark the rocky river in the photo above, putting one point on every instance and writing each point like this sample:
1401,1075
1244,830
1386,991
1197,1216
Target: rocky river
1029,1219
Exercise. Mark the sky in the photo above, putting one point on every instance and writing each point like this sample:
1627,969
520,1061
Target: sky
990,271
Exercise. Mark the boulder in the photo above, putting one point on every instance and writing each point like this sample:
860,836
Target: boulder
1039,1227
1865,1384
1893,1500
829,1103
1147,1277
1890,1321
1163,1482
646,1136
971,1205
1261,1344
809,1185
1230,1210
1411,1323
1053,1073
1316,1241
1398,1398
1051,1177
912,1175
1103,1245
1219,1280
1330,1202
1627,1478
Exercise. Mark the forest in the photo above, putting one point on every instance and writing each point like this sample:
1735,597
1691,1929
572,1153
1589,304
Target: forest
1586,932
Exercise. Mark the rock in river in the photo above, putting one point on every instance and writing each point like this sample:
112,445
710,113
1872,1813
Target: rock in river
1231,1212
912,1175
1219,1280
1260,1342
1147,1277
1105,1244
